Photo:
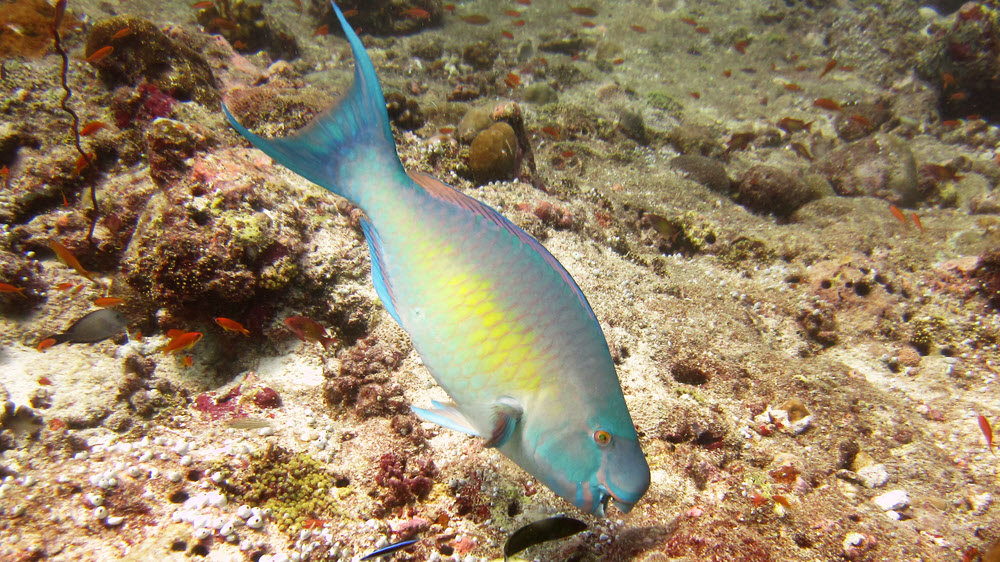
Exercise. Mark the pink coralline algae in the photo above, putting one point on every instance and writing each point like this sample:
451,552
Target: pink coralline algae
401,489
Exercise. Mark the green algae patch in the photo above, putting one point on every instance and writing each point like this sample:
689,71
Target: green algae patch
294,486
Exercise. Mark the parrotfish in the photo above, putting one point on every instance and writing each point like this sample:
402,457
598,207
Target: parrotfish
497,320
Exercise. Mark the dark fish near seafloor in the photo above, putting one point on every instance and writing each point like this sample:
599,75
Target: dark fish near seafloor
387,550
92,328
538,532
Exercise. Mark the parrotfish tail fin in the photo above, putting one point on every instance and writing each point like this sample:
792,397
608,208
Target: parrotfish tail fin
359,122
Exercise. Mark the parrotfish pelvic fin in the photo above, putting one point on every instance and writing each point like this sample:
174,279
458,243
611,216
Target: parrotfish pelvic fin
508,413
358,123
446,415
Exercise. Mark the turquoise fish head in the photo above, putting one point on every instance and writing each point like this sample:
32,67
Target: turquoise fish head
593,463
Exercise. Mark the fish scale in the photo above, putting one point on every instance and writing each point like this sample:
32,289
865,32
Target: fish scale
497,320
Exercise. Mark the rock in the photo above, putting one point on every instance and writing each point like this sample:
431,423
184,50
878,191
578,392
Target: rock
709,172
873,476
493,153
892,501
881,166
540,93
475,120
633,126
766,189
169,143
148,54
481,55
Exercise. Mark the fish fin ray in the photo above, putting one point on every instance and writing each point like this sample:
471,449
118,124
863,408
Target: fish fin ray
359,121
444,192
507,414
446,415
382,286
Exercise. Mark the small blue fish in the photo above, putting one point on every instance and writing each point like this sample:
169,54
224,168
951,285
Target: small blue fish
388,549
497,320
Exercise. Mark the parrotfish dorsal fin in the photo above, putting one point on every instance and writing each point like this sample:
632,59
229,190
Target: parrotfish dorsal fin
358,122
444,192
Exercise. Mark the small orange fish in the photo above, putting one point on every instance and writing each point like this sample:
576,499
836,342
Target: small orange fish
947,80
518,23
307,329
223,23
507,34
690,21
916,221
121,33
232,326
552,132
741,46
701,29
941,173
64,286
958,96
638,28
239,45
81,164
802,150
8,288
951,123
568,154
4,172
91,128
727,73
45,344
846,68
352,13
830,65
45,381
792,87
589,24
322,30
446,130
860,120
203,5
513,13
695,95
801,68
739,141
187,361
782,501
827,103
477,19
99,54
68,258
512,80
984,425
898,214
583,11
973,117
792,125
618,62
417,14
108,302
182,342
524,2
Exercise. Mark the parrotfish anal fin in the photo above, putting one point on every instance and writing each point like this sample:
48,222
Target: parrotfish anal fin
507,415
382,286
446,415
444,192
358,122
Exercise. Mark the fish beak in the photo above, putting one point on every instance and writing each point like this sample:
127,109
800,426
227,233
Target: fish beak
624,507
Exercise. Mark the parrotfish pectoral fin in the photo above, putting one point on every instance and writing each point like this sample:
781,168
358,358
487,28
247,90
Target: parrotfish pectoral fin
358,122
507,415
446,415
382,286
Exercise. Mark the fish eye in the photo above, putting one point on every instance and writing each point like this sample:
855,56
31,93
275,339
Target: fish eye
602,438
